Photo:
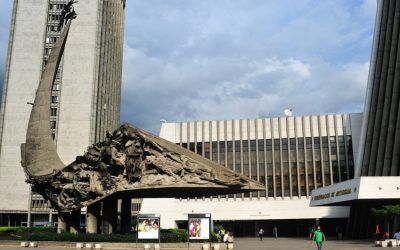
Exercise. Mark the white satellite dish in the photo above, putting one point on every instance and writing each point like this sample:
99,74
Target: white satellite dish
288,112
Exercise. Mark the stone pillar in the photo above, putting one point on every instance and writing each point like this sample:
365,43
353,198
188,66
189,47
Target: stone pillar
62,225
75,221
51,216
93,218
110,206
126,209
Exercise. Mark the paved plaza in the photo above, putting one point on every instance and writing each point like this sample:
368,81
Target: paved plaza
297,244
250,244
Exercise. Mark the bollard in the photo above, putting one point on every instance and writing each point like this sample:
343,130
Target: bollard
98,246
230,246
88,245
216,247
24,244
80,245
156,246
392,243
33,244
206,247
384,243
146,246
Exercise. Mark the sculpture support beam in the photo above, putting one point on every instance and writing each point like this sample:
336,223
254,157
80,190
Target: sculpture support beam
75,221
93,218
62,225
110,213
126,210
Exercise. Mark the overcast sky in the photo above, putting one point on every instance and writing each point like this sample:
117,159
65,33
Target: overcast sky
189,60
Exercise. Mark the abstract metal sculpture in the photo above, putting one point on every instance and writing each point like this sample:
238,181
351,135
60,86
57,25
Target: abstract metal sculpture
130,162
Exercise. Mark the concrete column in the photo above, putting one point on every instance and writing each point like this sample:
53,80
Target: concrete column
51,216
92,218
62,225
377,60
126,209
75,221
379,125
110,206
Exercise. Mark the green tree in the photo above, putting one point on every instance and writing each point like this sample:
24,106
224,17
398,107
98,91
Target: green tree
387,212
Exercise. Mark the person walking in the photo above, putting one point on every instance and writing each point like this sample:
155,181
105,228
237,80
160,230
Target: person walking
221,233
396,236
275,232
377,232
319,237
261,233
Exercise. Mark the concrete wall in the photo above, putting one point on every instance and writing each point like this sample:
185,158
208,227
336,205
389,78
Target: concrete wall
23,74
95,37
78,83
172,210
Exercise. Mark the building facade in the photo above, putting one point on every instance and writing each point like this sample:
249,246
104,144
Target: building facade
86,93
290,155
377,170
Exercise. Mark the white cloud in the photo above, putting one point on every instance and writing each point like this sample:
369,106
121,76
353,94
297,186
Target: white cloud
207,88
197,60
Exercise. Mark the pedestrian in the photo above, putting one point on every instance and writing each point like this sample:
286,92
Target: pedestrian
312,229
230,237
386,235
261,233
221,232
319,237
377,232
396,236
226,236
275,232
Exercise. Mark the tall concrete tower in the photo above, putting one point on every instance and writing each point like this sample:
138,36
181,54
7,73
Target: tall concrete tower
86,92
380,136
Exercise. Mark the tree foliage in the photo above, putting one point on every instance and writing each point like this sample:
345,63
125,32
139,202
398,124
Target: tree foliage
386,211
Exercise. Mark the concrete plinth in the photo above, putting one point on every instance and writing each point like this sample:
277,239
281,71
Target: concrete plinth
93,218
62,225
75,221
126,209
110,207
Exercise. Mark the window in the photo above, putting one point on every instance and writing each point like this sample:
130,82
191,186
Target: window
53,112
54,99
53,124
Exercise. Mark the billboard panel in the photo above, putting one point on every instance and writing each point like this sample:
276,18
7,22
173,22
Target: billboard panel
148,227
199,226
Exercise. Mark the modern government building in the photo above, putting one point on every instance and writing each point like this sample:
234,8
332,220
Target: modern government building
290,155
327,169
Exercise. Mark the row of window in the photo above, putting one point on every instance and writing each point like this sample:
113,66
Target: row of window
53,28
50,40
285,170
56,6
53,17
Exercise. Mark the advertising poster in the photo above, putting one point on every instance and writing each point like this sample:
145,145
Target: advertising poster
199,226
148,227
